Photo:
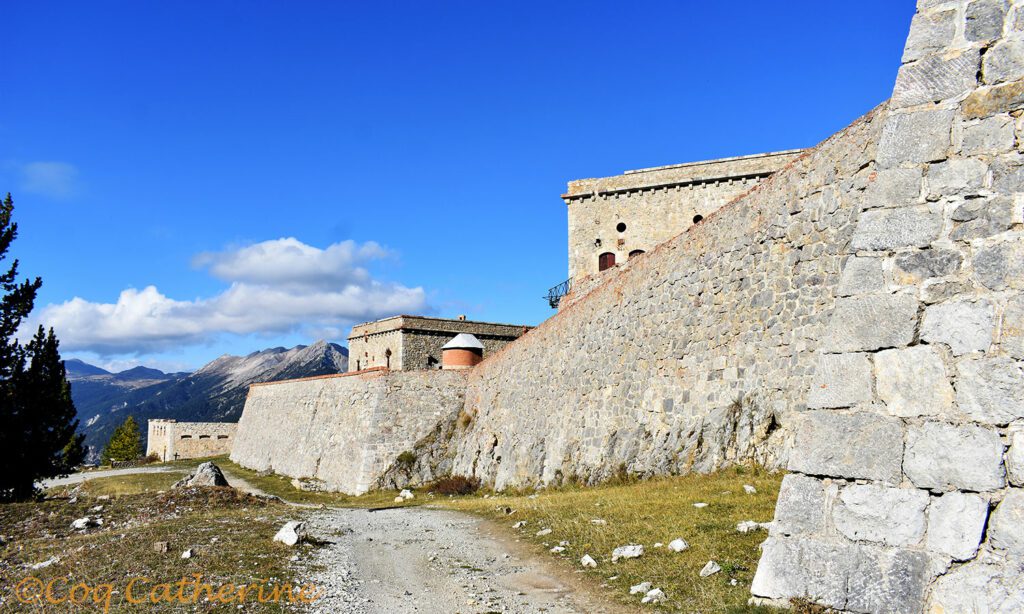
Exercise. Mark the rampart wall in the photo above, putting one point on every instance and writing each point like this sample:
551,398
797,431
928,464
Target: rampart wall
171,440
343,430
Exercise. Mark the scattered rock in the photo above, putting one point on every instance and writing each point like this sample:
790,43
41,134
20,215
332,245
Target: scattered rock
588,561
45,564
750,490
406,494
643,587
103,498
710,569
543,532
187,554
206,474
678,545
632,551
161,547
558,549
399,500
655,595
519,525
97,509
599,521
748,526
700,505
291,533
657,545
84,523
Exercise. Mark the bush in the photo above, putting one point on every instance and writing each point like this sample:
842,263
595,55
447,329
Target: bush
406,459
456,485
152,458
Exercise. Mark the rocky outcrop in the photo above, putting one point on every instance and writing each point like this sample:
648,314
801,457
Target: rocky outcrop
206,474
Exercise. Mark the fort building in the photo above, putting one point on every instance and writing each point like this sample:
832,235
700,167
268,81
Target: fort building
405,343
173,440
613,219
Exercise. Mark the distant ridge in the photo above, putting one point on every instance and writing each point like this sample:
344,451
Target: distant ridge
215,393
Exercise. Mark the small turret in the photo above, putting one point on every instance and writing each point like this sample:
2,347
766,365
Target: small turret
463,352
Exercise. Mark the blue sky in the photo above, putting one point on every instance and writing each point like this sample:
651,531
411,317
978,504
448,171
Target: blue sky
200,178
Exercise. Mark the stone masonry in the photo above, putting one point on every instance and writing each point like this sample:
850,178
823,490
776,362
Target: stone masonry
343,431
905,493
414,342
173,440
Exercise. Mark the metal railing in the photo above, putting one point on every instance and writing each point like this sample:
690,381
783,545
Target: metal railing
556,293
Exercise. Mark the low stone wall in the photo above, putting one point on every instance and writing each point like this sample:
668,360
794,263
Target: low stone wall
344,430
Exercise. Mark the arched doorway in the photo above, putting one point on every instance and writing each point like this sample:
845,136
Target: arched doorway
605,261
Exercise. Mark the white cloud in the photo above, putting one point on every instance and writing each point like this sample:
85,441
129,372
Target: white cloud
57,180
277,286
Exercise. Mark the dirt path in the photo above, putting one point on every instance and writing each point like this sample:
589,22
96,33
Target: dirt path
76,478
427,561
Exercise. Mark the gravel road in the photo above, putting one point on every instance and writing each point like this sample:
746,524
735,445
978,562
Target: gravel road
430,561
75,478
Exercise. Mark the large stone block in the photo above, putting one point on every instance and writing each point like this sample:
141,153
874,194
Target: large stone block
991,390
872,322
935,78
955,176
992,135
921,136
890,516
988,101
891,580
979,218
963,326
802,505
1004,62
1006,530
913,382
887,229
956,523
892,187
915,267
985,19
1000,266
840,380
803,567
979,587
943,456
1015,459
930,32
858,445
845,576
1011,338
861,276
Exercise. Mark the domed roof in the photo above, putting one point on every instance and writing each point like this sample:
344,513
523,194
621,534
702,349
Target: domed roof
463,341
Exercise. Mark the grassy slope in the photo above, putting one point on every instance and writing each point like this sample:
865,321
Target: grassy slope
647,513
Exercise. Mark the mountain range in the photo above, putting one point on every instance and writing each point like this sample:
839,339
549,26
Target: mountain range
214,393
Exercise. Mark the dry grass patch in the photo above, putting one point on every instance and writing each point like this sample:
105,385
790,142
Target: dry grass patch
230,534
649,512
281,486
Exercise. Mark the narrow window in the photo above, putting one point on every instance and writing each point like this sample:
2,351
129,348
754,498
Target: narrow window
186,437
605,261
697,218
635,253
222,436
387,357
359,366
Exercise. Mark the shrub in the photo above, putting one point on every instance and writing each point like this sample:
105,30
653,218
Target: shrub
456,485
406,459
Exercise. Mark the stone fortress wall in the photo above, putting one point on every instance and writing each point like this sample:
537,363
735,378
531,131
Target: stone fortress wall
856,317
640,209
343,430
908,466
415,341
172,440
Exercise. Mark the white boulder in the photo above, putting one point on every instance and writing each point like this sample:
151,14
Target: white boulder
291,533
643,587
631,551
678,545
588,561
750,490
710,569
406,494
655,595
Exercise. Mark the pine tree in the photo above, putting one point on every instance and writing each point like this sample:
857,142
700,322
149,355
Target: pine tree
125,444
37,425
